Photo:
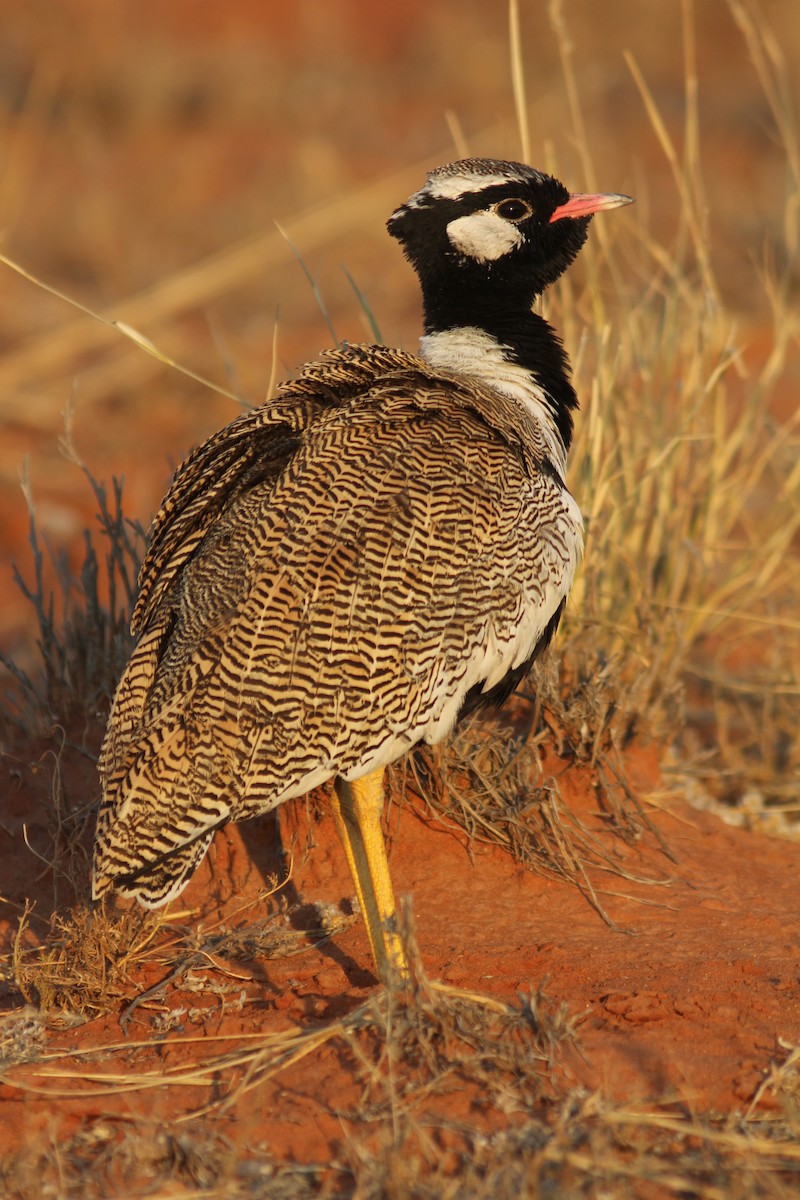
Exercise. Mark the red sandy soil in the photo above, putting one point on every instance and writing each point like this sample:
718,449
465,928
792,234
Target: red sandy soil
684,1000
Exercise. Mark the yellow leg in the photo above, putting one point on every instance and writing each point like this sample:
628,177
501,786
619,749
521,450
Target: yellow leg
357,809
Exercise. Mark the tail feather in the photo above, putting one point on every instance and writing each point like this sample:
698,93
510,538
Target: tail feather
152,831
155,883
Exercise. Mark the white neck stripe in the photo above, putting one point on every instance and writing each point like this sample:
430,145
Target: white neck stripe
470,351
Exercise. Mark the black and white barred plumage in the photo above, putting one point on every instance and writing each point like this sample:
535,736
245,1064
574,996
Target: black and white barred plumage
341,572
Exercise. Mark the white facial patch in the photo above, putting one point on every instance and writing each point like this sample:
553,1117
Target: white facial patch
483,236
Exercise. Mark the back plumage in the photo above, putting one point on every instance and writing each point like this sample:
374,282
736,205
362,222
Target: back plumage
342,572
329,580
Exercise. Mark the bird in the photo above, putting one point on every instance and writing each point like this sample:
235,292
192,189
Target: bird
347,569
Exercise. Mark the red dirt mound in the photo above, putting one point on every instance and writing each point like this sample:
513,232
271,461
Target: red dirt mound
685,996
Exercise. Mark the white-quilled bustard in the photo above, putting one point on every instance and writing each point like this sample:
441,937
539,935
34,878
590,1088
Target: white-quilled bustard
342,572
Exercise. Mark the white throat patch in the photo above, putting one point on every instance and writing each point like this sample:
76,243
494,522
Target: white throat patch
484,236
474,352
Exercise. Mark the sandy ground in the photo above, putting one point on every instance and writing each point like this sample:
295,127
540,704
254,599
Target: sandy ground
684,994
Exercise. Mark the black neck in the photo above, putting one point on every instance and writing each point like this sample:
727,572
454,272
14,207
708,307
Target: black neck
530,340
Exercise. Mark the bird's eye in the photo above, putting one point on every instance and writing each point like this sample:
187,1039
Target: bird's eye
513,210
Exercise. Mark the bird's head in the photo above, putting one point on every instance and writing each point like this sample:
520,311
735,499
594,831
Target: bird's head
485,222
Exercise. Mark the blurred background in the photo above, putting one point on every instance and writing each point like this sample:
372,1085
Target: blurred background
149,149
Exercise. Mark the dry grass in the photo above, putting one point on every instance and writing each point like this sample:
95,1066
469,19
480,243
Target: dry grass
689,481
89,962
403,1050
84,637
84,968
494,783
